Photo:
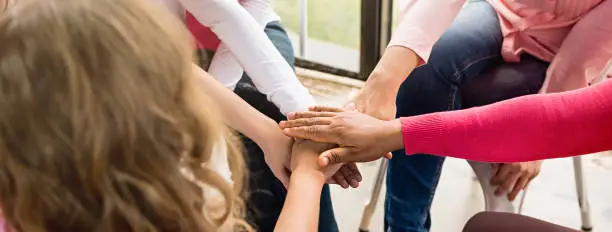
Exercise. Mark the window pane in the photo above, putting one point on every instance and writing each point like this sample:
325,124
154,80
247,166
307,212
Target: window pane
333,30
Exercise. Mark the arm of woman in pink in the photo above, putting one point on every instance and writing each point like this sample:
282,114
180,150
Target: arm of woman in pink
422,22
528,128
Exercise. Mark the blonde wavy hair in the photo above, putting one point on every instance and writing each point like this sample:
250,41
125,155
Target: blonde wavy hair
101,117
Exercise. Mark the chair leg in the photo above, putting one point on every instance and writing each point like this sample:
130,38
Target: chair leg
370,207
583,202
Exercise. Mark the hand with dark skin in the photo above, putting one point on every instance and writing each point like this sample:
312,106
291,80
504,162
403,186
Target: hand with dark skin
361,137
377,97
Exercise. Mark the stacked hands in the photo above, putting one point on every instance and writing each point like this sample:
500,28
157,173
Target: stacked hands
284,155
343,137
318,147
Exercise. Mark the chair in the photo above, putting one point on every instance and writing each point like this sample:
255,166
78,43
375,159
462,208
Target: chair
503,82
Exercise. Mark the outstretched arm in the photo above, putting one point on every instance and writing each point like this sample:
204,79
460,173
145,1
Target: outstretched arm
533,127
224,66
301,210
421,25
242,117
246,40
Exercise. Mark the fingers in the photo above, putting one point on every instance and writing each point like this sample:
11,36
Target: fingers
495,167
355,170
521,184
350,176
325,109
340,180
304,122
502,173
309,114
319,133
335,156
529,171
389,155
509,184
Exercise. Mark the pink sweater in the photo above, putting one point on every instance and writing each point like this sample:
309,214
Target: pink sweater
568,33
528,128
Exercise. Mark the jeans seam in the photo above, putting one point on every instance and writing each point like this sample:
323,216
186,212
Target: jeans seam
458,74
431,196
452,98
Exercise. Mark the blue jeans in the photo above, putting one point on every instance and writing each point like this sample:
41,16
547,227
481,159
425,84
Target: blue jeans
265,194
467,50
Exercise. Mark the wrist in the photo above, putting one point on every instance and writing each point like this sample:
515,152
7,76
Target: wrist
384,85
308,172
269,134
393,73
376,93
391,135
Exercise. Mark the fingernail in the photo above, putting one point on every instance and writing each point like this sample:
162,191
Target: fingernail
354,184
323,161
290,115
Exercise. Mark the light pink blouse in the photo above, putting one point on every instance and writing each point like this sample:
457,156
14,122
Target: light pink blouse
571,34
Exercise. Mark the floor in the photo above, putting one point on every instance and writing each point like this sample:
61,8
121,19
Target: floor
551,196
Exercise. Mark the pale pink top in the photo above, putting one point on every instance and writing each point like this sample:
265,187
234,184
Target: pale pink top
571,34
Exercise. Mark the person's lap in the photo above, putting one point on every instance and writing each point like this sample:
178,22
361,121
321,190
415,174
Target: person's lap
469,48
265,194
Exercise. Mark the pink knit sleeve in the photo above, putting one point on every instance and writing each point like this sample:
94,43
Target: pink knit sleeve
422,23
528,128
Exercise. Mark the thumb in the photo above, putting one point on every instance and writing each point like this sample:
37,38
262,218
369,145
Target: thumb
335,156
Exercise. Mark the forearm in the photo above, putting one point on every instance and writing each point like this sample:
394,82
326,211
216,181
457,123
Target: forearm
301,208
236,112
421,25
528,128
224,65
254,51
392,69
